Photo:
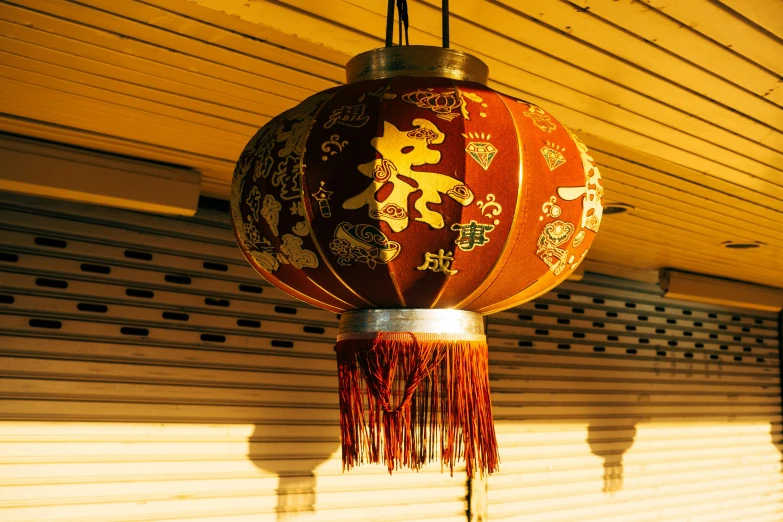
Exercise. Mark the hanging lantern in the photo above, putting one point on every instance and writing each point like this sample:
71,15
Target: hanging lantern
413,200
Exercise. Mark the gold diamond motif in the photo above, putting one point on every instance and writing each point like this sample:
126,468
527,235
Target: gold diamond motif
553,157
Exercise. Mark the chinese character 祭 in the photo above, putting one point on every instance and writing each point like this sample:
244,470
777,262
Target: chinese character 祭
592,210
394,163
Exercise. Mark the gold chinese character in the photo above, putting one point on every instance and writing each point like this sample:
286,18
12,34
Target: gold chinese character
349,115
400,151
439,262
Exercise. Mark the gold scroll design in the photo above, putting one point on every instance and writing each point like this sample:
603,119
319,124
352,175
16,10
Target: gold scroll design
395,167
539,116
491,207
552,237
332,146
444,103
591,192
362,244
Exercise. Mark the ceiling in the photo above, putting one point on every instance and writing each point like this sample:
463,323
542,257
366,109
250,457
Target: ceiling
681,102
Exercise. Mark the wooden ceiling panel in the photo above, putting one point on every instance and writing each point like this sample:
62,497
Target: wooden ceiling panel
680,102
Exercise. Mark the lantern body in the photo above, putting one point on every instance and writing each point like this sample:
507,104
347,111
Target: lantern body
412,192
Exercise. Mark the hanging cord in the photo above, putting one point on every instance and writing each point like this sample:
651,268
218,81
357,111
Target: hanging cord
445,14
402,11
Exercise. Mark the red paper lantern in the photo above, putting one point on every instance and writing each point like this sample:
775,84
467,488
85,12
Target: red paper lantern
415,187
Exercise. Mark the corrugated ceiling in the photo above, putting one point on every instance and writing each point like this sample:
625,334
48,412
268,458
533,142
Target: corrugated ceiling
681,101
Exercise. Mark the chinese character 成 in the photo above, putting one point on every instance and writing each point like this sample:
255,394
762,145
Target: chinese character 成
439,262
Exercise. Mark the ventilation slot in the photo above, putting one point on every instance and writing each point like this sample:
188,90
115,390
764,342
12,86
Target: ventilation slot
90,307
713,336
687,312
630,305
49,242
630,328
282,344
599,349
6,299
738,358
660,309
737,338
660,353
578,310
218,267
8,257
724,347
688,355
98,269
598,325
525,344
248,323
714,357
51,283
672,343
660,331
598,300
687,334
712,316
746,329
135,292
644,341
285,310
175,316
541,306
135,254
177,280
563,321
759,340
211,301
671,321
45,323
563,346
759,321
611,314
760,360
612,338
139,332
747,349
525,317
578,335
542,332
722,327
699,345
314,330
735,318
642,317
564,296
631,351
251,289
213,338
697,324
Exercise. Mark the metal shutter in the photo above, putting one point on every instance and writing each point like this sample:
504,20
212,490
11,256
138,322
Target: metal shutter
148,374
615,405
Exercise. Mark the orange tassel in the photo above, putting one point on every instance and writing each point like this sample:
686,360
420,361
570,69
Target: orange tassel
406,402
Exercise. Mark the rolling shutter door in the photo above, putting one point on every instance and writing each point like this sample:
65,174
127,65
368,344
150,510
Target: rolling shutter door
615,405
148,374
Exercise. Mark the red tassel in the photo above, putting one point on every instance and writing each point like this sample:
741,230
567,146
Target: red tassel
405,401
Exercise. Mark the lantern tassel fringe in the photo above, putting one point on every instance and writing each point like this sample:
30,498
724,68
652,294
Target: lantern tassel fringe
407,399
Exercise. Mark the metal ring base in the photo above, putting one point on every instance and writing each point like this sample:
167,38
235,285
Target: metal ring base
425,324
